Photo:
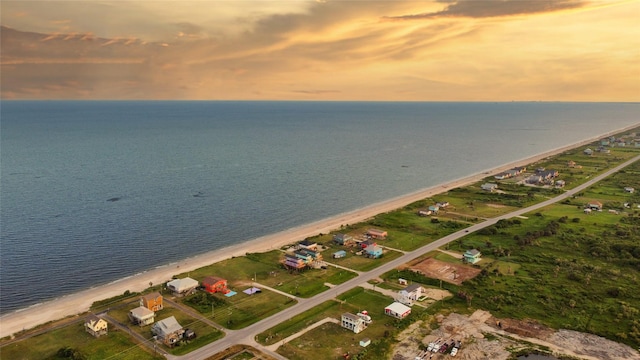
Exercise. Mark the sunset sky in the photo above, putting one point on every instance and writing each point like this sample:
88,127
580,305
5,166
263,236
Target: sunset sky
446,50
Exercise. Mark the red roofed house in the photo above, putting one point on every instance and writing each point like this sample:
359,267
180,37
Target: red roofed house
215,284
152,301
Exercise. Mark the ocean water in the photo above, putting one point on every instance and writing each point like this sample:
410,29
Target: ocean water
91,192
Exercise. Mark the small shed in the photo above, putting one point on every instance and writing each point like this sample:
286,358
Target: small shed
339,254
365,342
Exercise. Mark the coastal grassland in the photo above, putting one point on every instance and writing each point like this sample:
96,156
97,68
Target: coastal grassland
408,231
116,344
331,340
240,310
564,268
265,268
360,262
205,333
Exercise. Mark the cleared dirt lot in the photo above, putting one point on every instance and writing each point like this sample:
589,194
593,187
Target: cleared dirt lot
453,273
482,338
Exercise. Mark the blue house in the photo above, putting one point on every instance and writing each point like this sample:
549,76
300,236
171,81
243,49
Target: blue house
471,256
373,251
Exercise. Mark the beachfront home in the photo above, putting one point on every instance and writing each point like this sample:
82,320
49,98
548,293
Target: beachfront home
491,187
168,331
571,164
365,342
182,286
629,189
339,254
309,256
343,239
377,234
214,284
397,310
560,183
471,256
434,209
588,151
95,326
502,176
410,294
152,301
142,316
353,322
443,204
292,262
308,245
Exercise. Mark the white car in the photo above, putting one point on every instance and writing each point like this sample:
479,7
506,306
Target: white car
454,351
430,347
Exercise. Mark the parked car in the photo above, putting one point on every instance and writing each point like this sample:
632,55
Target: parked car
454,351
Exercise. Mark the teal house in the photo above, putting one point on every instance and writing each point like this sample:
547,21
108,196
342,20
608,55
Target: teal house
471,256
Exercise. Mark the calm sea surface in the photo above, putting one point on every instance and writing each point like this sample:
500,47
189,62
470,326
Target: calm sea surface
91,192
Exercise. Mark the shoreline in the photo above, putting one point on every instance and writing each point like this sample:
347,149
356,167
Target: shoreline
80,302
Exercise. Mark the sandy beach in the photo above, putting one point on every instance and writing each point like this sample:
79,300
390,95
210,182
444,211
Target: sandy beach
80,302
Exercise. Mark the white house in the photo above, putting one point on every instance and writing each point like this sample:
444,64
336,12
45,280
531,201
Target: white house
142,316
410,294
489,187
167,330
397,310
182,286
353,322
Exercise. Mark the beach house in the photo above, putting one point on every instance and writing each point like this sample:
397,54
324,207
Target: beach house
182,286
152,301
377,234
214,284
353,322
491,187
293,262
595,205
471,256
343,239
373,251
629,189
141,316
308,245
410,294
168,330
95,326
397,310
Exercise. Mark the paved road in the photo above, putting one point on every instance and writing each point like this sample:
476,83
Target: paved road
247,335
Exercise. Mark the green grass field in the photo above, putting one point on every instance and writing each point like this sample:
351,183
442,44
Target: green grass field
116,344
